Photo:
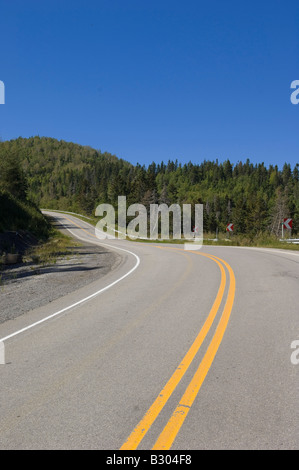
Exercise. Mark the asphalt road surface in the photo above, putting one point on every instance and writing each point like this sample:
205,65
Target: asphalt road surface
172,350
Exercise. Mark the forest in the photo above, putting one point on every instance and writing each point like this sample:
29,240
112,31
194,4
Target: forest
48,173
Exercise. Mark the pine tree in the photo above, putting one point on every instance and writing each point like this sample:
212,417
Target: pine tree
12,177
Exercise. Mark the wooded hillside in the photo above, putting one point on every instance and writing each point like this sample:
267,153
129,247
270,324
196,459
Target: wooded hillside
61,175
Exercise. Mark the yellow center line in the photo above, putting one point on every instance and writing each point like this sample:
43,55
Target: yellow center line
170,431
84,230
179,415
144,425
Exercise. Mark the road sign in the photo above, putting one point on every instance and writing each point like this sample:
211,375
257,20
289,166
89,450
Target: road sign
230,227
195,231
288,224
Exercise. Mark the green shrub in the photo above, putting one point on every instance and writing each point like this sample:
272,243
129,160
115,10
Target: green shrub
21,215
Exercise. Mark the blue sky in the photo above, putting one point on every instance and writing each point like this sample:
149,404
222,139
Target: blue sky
154,80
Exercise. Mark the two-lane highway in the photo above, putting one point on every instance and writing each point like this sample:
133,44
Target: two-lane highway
171,350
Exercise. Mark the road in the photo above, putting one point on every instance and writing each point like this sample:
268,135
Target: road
172,350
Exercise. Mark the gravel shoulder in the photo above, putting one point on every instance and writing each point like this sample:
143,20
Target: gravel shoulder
24,287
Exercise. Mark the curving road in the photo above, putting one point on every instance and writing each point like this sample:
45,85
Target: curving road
173,350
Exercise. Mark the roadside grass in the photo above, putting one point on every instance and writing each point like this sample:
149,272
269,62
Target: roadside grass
57,246
260,240
237,241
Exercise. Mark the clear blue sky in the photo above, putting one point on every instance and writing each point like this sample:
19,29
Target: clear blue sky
152,80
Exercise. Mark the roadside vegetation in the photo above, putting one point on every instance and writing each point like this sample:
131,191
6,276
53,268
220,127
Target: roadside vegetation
262,240
17,210
42,172
24,230
48,252
20,214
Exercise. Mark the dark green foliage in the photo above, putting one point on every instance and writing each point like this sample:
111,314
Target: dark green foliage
17,212
12,176
68,176
18,215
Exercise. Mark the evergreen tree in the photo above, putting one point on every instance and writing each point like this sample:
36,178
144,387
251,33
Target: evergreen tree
12,177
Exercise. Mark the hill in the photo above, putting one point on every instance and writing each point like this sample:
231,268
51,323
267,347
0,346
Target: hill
64,175
67,176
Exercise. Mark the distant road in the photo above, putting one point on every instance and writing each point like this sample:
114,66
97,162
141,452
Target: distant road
172,350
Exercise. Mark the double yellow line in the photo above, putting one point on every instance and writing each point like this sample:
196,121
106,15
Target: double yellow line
167,436
170,431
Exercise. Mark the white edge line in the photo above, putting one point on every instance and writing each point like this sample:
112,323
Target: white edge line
82,300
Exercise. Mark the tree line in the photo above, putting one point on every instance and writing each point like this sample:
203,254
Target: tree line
62,175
